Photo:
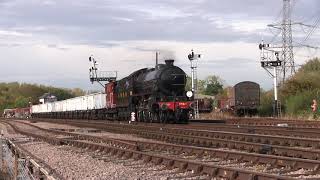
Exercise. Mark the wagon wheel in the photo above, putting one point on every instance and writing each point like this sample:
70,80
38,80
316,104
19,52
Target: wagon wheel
184,117
150,116
163,117
155,117
146,116
140,116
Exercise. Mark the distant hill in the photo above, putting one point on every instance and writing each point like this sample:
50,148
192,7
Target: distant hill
20,94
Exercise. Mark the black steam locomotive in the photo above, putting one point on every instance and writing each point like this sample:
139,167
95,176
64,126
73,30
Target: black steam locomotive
154,95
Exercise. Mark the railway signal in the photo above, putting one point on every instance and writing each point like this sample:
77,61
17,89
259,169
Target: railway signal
100,76
271,62
194,61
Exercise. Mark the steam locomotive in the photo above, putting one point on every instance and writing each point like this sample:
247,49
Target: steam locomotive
152,94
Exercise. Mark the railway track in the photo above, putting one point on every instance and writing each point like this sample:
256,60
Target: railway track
259,129
251,129
262,121
195,150
203,161
276,145
274,122
37,168
180,137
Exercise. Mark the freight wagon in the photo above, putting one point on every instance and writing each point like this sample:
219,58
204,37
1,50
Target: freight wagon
17,113
243,99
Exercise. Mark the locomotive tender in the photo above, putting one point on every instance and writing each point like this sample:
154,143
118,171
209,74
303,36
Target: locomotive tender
153,94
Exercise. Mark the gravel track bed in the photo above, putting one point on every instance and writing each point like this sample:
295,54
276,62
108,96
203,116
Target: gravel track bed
47,125
124,137
34,130
120,170
76,163
220,162
9,133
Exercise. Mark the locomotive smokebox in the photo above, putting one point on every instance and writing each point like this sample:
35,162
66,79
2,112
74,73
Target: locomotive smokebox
169,62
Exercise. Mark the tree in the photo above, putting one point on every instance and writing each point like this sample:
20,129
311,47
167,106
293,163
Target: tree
78,92
188,84
297,92
13,95
213,85
201,85
21,102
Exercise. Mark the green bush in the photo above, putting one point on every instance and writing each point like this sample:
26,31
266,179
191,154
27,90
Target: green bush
300,104
266,103
297,92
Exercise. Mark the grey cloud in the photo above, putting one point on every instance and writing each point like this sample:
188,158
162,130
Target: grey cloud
57,47
104,23
10,44
164,53
90,21
229,63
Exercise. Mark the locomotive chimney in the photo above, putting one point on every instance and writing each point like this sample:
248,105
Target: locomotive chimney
169,62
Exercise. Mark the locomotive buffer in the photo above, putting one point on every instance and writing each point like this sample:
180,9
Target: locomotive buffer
100,76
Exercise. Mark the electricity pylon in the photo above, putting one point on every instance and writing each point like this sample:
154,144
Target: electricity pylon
288,66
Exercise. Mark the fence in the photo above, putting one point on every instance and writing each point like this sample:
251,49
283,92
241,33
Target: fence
14,164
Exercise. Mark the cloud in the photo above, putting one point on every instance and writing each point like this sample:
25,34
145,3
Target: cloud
123,19
55,37
57,47
14,33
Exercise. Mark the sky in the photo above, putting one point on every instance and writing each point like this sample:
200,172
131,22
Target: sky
49,41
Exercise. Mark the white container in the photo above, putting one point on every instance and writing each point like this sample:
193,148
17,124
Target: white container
90,102
64,106
99,101
35,109
49,107
81,103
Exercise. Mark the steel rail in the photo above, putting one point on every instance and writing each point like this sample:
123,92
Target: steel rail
198,168
294,163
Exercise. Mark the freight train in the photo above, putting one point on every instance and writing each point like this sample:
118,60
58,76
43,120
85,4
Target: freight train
242,99
150,94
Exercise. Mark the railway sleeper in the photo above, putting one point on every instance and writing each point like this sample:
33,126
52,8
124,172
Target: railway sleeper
292,165
183,164
278,151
